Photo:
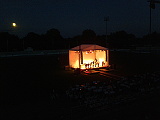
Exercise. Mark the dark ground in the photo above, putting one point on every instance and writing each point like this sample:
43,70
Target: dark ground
27,82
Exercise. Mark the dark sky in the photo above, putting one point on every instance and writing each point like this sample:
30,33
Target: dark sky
71,17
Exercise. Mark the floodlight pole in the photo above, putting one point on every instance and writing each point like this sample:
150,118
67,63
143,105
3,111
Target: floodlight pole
152,6
106,19
150,21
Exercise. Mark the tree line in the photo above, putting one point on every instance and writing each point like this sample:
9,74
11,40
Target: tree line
52,40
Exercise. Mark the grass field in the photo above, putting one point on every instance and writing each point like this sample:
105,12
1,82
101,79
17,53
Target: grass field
26,82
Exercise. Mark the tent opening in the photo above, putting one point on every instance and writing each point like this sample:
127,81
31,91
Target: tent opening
89,56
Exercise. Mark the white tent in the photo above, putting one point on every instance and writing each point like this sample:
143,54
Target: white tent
88,56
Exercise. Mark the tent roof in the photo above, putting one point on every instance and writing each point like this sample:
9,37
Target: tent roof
87,47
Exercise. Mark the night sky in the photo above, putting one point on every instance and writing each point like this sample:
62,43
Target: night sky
71,17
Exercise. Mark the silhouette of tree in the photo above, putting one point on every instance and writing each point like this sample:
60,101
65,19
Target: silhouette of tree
121,39
101,40
152,39
32,40
9,42
88,36
75,41
4,36
14,43
54,39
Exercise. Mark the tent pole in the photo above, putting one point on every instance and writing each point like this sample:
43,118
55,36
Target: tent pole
108,57
95,52
79,55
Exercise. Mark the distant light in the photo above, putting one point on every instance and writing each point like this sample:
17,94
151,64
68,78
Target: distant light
14,24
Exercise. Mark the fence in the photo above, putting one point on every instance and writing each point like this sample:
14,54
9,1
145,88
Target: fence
32,53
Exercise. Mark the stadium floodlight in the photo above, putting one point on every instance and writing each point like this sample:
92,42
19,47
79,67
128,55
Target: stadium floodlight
152,6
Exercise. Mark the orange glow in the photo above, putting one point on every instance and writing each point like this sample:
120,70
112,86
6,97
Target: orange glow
90,59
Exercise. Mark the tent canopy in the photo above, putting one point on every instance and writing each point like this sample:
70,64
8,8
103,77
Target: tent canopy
87,47
88,56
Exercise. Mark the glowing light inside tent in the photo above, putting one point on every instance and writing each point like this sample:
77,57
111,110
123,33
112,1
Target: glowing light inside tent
87,59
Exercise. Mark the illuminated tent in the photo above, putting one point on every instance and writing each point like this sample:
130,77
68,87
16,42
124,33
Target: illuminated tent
88,56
